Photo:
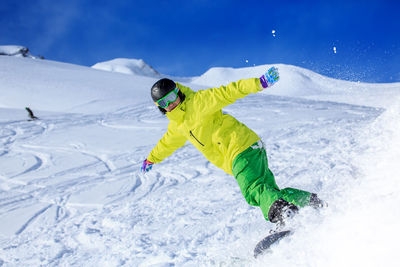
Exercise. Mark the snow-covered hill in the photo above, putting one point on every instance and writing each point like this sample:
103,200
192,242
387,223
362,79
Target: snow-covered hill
127,66
16,51
71,193
300,82
54,86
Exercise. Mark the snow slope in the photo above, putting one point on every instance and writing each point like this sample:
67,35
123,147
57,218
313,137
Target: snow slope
71,193
299,82
15,51
127,66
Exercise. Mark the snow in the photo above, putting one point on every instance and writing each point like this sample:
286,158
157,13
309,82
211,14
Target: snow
10,50
71,193
15,50
306,84
127,66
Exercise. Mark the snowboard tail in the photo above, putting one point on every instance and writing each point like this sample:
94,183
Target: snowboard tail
265,244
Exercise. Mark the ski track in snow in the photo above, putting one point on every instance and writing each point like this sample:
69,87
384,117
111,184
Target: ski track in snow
85,201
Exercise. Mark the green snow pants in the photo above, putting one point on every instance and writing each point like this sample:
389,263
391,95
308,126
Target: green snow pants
257,182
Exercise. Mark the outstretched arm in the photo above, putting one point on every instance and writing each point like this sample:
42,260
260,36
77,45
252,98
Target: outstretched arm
211,100
214,99
171,141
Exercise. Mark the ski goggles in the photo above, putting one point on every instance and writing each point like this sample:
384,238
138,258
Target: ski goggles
168,98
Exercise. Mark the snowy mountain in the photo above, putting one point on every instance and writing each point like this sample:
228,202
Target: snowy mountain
71,193
127,66
16,51
300,82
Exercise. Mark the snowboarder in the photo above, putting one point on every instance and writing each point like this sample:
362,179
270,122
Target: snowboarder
31,115
225,142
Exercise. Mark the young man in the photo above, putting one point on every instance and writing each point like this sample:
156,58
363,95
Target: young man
225,142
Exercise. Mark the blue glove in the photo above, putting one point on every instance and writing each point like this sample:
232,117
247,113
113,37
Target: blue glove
147,165
269,78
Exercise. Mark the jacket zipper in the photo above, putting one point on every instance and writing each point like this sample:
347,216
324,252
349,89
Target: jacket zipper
191,134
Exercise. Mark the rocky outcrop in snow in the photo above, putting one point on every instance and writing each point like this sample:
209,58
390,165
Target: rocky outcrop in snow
16,51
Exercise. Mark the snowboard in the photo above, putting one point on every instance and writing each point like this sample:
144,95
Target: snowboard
265,244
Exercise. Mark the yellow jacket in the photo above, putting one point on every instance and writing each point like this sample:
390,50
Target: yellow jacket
199,119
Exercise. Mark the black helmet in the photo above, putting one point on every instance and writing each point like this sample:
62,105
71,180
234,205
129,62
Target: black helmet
161,88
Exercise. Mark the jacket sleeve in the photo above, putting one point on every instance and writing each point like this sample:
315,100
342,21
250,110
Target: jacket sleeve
171,141
214,99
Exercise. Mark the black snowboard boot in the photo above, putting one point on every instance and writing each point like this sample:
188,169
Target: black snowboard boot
280,211
317,203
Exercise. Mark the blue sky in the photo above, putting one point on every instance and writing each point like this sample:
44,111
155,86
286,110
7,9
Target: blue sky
186,38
